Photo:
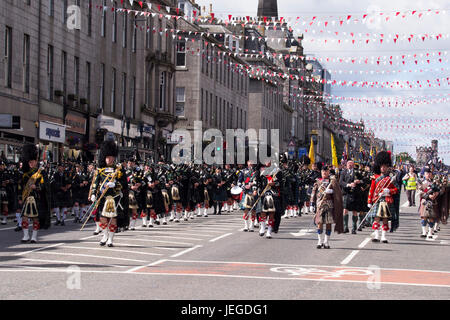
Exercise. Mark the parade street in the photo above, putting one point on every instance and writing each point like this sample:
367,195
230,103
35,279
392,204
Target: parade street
212,258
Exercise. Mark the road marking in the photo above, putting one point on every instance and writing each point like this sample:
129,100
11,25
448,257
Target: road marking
355,252
74,263
406,204
444,242
302,232
220,237
159,241
116,250
89,256
38,249
172,232
174,237
148,265
185,251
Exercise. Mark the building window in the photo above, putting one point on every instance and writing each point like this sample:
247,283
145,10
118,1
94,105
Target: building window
50,72
181,53
88,81
134,40
162,91
149,33
8,57
102,86
133,97
124,30
51,8
124,92
103,30
77,78
114,24
179,112
64,74
89,31
26,63
64,13
113,90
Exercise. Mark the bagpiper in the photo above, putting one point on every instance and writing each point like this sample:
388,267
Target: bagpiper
428,192
109,192
326,201
380,201
34,199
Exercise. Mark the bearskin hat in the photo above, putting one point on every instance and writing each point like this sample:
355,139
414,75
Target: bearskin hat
382,158
29,152
108,148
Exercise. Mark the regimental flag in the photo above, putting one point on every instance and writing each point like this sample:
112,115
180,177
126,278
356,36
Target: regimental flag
311,153
346,155
334,152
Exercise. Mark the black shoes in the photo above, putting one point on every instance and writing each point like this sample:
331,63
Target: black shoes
346,230
353,231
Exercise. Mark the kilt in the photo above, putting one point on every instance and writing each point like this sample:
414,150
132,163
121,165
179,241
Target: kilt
373,212
350,202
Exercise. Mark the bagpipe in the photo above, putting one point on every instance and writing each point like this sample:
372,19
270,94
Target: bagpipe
103,189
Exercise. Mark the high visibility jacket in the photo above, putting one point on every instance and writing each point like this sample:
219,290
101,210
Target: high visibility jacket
411,184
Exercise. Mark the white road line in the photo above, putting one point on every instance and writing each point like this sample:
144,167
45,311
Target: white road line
355,252
159,241
171,232
90,237
89,256
220,237
174,237
116,250
148,265
121,244
185,251
42,248
74,263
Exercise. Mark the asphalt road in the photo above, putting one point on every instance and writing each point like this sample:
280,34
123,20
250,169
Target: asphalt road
211,258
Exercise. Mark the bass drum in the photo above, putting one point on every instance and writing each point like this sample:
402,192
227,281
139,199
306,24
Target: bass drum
236,192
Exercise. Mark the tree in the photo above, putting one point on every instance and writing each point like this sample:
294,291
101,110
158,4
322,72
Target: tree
404,157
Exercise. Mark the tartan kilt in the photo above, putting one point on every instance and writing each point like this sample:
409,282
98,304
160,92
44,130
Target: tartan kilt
373,212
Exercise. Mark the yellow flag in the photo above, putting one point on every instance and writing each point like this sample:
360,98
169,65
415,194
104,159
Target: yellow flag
311,153
334,153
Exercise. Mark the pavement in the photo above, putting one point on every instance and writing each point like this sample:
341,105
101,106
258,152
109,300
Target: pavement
211,258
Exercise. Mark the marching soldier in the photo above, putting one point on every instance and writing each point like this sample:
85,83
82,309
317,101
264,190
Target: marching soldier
5,191
428,192
349,184
34,199
380,201
326,200
60,194
109,192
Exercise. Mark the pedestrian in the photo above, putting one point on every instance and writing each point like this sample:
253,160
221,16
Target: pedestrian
411,186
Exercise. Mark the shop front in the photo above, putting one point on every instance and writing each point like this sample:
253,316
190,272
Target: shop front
52,137
75,147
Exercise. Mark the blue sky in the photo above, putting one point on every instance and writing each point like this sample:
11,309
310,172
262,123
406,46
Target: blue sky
405,140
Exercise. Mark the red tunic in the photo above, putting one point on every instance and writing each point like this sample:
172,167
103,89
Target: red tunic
378,184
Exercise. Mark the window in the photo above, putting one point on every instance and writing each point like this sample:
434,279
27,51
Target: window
124,30
162,91
114,24
103,30
26,63
51,8
77,78
113,90
124,92
149,33
88,81
179,111
102,86
133,97
50,72
64,12
201,104
89,31
134,40
181,53
64,74
8,57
